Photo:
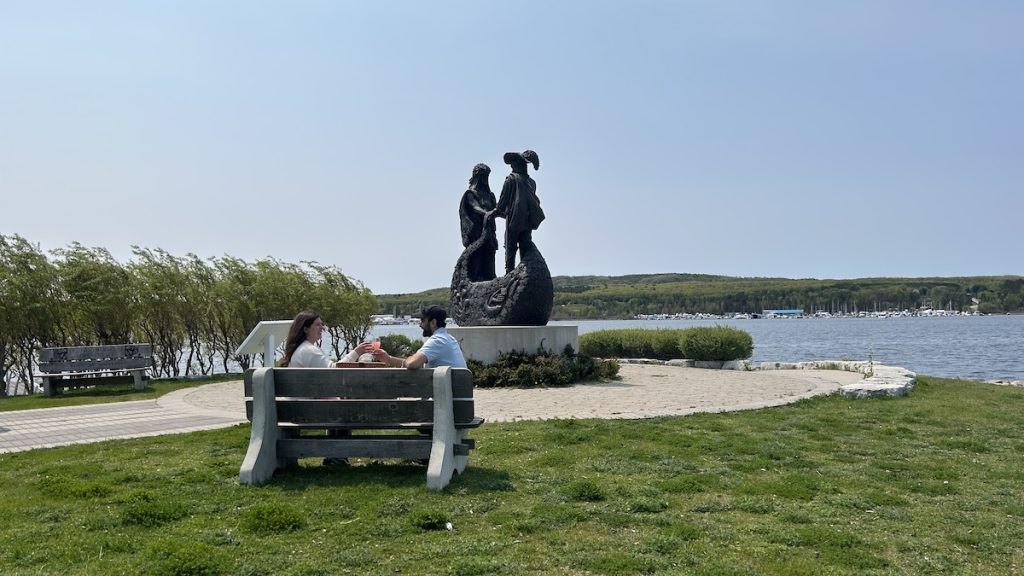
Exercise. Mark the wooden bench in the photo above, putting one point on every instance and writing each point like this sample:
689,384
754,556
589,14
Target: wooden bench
281,402
76,366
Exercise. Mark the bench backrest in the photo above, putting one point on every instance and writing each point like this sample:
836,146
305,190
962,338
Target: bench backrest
360,397
93,358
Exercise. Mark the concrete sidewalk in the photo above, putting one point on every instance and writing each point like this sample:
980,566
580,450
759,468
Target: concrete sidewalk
644,391
48,427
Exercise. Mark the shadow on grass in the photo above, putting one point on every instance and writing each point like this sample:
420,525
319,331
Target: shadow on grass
474,480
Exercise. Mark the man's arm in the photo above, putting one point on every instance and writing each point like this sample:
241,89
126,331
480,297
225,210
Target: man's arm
417,360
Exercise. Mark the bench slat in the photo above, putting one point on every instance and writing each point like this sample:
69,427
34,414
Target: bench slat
95,365
363,412
95,381
474,423
92,352
409,447
361,383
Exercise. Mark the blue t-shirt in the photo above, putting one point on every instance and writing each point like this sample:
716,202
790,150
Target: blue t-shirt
442,349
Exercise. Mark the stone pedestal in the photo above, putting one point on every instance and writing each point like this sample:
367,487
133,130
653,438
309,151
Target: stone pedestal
484,343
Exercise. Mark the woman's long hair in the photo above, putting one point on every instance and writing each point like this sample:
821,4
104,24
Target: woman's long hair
297,333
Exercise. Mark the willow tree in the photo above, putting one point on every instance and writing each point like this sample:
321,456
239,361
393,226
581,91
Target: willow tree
28,308
234,314
161,280
281,289
97,297
345,305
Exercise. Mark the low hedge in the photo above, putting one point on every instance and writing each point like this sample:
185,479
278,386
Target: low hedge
702,343
717,343
400,345
543,369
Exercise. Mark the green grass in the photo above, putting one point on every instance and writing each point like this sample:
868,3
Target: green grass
105,394
927,484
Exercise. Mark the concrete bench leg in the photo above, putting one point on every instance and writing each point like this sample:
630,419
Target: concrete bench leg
137,376
442,452
48,387
461,460
261,459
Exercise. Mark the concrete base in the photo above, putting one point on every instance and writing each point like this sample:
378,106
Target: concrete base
484,343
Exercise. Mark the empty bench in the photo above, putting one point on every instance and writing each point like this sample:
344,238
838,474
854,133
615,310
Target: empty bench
372,403
76,366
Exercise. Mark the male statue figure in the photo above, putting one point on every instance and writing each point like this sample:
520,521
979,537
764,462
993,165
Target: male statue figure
477,201
519,206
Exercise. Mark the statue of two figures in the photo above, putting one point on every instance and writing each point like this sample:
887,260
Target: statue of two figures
524,295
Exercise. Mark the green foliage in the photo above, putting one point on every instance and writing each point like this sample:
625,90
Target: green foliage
716,343
148,509
70,487
184,558
194,312
521,370
430,519
400,345
702,343
272,518
584,491
30,307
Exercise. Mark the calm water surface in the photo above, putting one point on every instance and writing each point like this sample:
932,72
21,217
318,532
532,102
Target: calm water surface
975,347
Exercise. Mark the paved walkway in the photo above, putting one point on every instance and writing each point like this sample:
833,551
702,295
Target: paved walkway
644,391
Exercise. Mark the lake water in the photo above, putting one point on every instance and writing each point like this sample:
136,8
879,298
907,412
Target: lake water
974,347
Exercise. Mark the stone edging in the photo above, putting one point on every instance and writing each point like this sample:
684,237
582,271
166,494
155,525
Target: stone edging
1017,383
881,380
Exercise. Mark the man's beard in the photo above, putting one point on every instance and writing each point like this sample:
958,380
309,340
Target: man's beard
427,332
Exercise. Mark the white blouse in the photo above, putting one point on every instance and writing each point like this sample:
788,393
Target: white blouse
309,355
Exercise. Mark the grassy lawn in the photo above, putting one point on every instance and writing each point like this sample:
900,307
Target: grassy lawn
104,394
928,484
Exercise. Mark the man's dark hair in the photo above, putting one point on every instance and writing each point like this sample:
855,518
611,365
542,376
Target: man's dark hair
434,313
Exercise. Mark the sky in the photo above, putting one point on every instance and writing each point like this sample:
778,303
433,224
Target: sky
800,139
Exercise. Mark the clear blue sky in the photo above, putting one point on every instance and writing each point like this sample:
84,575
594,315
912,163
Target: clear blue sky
798,139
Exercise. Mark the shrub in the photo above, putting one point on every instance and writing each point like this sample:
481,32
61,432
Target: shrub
400,345
584,491
632,343
430,519
521,370
609,369
717,343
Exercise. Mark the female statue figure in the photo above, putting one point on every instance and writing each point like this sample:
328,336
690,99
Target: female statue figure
477,201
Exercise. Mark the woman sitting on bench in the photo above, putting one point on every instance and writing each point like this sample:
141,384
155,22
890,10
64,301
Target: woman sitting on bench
302,350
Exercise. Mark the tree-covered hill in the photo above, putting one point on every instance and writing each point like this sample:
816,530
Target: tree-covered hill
608,297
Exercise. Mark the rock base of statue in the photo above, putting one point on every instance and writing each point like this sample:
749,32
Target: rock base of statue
485,343
523,297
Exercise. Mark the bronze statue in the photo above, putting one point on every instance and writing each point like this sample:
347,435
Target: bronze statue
476,203
519,205
525,295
